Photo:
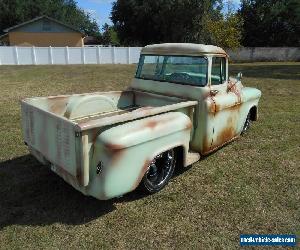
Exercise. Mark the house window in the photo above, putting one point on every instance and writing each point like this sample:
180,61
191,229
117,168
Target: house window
46,25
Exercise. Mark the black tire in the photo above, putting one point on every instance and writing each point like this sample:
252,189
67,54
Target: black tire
159,172
247,123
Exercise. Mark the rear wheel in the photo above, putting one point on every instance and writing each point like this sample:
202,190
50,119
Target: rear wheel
159,172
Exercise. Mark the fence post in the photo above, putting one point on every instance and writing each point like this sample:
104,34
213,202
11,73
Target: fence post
67,55
113,55
98,55
128,55
83,55
16,55
33,55
50,55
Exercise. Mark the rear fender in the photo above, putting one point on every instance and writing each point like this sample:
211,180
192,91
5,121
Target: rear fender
125,151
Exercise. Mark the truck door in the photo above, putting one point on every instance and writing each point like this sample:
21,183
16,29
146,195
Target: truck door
225,117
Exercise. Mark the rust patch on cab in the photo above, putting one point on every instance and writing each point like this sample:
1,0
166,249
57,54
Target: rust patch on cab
206,144
226,135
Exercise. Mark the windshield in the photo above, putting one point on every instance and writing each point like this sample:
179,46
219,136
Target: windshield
189,70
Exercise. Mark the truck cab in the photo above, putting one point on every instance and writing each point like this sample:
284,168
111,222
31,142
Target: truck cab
180,106
200,72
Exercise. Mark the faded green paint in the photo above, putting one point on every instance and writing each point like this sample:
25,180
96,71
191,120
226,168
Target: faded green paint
124,130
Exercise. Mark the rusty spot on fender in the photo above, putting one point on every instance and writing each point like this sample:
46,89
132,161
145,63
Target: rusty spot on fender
151,124
234,107
188,126
115,151
114,147
232,87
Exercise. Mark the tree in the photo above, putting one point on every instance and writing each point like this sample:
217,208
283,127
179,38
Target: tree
227,31
13,12
141,22
109,35
271,22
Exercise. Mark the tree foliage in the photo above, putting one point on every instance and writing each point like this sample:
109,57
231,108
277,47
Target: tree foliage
109,35
141,22
271,22
13,12
226,32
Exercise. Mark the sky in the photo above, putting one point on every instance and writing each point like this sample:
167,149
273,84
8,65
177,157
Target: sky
100,9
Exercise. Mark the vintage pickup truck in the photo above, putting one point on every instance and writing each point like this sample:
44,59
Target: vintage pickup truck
181,105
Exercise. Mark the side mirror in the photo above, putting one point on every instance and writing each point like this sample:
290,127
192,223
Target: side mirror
239,76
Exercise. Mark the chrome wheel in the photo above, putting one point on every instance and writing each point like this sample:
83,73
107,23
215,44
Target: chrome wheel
159,172
246,124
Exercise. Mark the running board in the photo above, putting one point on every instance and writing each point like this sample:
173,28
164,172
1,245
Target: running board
192,157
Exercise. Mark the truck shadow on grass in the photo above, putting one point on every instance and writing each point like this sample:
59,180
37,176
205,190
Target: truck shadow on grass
32,194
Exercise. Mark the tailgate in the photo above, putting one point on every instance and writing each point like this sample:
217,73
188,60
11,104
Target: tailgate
51,135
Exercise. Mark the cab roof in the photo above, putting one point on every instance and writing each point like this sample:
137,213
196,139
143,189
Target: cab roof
189,49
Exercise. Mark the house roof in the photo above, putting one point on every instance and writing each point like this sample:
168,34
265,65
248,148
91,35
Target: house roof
43,17
3,36
182,49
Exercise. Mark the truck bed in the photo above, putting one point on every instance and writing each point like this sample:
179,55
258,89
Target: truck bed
60,129
104,108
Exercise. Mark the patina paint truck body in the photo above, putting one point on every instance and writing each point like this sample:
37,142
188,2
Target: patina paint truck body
103,143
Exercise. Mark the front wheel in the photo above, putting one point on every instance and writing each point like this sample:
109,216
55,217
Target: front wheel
247,123
159,172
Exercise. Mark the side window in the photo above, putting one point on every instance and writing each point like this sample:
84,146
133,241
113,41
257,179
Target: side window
218,70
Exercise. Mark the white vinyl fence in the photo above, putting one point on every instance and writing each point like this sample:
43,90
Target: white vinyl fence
125,55
263,54
68,55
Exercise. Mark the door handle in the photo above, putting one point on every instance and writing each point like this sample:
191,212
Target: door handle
214,92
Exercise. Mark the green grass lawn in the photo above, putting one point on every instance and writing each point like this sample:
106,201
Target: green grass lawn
250,186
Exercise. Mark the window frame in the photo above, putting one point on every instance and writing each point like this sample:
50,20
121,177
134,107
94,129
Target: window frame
139,67
226,70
